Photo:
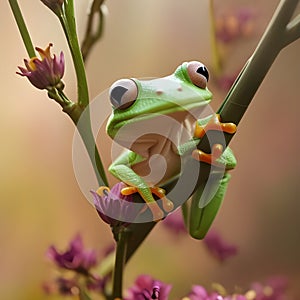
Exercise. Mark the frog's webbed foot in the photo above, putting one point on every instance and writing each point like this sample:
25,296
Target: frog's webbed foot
157,213
212,158
217,149
214,124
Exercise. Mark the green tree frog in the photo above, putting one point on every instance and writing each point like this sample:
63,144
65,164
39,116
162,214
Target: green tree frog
152,119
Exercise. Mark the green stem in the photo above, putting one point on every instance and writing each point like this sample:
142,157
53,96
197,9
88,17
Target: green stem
22,27
84,128
82,120
120,260
67,20
83,295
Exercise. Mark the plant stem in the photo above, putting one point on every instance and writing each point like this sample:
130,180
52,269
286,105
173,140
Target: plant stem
91,38
84,296
121,253
82,120
67,20
22,27
83,125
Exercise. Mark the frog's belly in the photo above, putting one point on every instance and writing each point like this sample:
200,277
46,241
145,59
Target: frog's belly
156,139
162,163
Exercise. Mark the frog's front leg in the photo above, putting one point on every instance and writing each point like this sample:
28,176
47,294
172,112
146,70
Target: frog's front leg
214,123
122,170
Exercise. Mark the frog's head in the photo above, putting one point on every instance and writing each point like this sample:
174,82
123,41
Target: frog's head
136,100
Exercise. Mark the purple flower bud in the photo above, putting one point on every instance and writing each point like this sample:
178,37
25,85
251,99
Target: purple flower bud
218,247
147,288
67,287
75,258
46,72
234,25
226,81
174,222
114,208
198,292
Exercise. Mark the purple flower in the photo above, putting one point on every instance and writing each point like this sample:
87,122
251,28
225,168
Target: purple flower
218,247
226,81
198,292
231,26
62,286
67,287
147,288
75,258
114,208
46,72
274,289
236,297
96,284
54,5
174,222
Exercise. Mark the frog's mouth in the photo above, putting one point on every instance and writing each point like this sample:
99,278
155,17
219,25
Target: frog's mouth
152,109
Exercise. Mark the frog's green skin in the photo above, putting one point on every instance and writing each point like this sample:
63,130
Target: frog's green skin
158,104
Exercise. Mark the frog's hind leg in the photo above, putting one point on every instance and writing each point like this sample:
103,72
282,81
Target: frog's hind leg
199,219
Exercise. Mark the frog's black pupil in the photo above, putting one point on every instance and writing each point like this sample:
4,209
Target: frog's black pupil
117,93
203,71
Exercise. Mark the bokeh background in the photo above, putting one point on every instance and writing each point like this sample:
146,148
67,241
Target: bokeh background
41,202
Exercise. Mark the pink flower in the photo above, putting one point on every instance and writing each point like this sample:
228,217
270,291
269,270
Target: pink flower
198,292
174,222
218,247
114,208
274,289
76,258
233,25
147,288
44,73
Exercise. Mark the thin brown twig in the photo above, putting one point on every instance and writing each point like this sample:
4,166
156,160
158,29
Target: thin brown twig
91,36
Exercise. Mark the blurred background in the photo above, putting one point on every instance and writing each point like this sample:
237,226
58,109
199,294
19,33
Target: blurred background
41,203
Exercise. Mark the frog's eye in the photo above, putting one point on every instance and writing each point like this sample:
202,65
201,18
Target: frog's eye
198,74
123,93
